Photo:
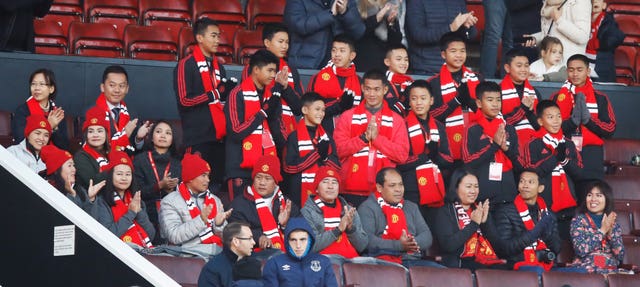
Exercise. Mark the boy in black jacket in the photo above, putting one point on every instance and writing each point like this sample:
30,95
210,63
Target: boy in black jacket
604,39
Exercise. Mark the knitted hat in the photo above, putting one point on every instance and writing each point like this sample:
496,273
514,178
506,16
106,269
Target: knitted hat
324,172
54,157
193,166
96,117
35,122
268,164
119,157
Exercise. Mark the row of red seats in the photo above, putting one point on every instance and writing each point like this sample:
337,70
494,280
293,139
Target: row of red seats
626,58
158,42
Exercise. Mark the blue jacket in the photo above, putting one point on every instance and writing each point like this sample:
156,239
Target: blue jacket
426,21
610,37
311,270
312,28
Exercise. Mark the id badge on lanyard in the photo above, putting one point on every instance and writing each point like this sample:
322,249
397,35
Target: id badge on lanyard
495,171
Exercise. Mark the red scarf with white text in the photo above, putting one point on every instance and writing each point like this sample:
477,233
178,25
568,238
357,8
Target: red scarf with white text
560,193
396,223
511,101
342,245
267,219
328,86
305,146
119,138
428,176
530,257
206,236
489,128
260,141
210,83
102,160
566,101
401,80
477,246
135,234
594,43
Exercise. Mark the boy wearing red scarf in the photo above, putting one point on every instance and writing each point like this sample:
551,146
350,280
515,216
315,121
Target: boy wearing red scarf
587,117
193,217
527,228
604,38
397,62
428,153
201,88
557,161
254,121
490,147
397,232
114,88
264,207
519,98
369,137
308,148
338,82
454,92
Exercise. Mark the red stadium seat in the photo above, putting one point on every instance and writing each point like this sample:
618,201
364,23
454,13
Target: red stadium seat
504,278
631,250
6,139
558,279
228,14
184,270
624,59
186,42
49,38
478,11
439,277
260,12
151,43
632,208
624,187
624,280
373,275
245,43
630,25
174,13
624,8
95,39
65,12
618,154
119,13
566,254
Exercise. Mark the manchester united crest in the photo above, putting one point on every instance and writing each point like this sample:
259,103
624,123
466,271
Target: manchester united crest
326,76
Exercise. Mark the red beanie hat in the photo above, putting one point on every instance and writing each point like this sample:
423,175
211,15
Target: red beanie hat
193,166
54,157
324,172
117,158
268,164
96,117
35,122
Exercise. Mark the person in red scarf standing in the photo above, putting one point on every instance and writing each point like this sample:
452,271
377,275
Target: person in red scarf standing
428,153
490,147
587,117
465,230
264,207
528,232
604,38
114,88
454,92
254,122
519,98
193,217
120,208
201,88
397,232
338,82
369,137
308,148
93,158
41,102
397,62
336,224
557,161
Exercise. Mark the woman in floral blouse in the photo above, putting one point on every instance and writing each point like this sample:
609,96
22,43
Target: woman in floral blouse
596,237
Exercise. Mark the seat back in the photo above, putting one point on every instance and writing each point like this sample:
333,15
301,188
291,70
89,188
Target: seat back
624,187
421,276
624,61
504,278
245,43
631,250
567,253
170,13
559,279
260,12
49,37
221,11
119,13
373,275
6,139
184,270
95,39
624,280
337,270
620,151
151,43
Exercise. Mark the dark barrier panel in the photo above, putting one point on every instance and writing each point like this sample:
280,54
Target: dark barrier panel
151,93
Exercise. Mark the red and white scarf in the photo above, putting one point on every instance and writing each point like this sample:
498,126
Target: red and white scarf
401,80
206,236
489,128
328,86
210,83
135,234
396,223
477,246
102,160
566,100
305,146
267,219
594,43
362,166
511,101
560,192
119,137
428,176
331,215
288,119
455,122
530,257
260,141
36,109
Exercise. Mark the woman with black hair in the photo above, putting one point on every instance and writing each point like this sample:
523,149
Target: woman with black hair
158,169
595,234
93,158
42,83
120,208
464,229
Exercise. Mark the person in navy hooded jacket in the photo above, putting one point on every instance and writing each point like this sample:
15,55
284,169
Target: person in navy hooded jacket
299,266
